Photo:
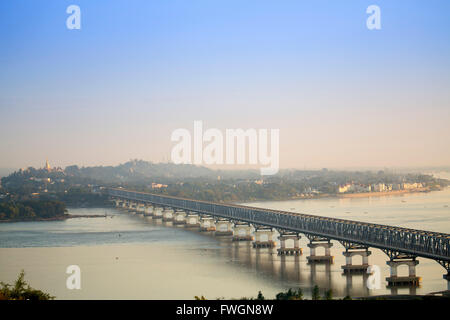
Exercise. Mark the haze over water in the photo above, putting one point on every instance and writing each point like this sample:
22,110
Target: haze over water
129,257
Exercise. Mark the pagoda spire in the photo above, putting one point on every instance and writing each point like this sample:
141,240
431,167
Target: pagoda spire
47,166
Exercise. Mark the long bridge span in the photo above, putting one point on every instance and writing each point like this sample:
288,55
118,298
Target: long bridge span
402,245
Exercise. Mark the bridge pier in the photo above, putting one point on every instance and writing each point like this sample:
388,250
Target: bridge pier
283,250
394,290
242,232
349,267
410,280
140,208
315,242
132,207
116,202
179,217
446,265
192,220
447,277
157,213
224,228
167,214
207,224
148,211
260,238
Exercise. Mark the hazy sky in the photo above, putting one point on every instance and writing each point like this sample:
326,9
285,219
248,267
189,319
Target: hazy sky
341,95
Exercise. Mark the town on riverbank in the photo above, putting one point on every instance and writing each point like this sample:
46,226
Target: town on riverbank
43,194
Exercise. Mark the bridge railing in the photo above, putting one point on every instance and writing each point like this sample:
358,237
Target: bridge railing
422,243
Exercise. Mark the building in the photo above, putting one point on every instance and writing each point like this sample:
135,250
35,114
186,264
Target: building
158,185
345,188
379,187
409,186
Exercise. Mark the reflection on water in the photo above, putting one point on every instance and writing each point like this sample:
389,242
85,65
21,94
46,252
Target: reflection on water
130,257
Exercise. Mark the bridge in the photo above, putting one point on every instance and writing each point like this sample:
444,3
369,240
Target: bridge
402,245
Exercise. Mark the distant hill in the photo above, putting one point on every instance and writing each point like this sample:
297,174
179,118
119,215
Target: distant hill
6,171
139,170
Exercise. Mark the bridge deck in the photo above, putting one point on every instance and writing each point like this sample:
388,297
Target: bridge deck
428,244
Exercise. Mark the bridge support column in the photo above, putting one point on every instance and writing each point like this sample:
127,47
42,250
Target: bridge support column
148,210
167,215
349,267
283,250
264,238
446,265
179,217
410,280
157,213
224,228
242,232
207,224
132,207
192,220
315,242
447,277
140,208
116,202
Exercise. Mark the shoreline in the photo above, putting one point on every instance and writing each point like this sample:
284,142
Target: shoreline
346,195
58,218
384,193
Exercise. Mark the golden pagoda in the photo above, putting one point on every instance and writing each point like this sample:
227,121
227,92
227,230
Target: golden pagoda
47,166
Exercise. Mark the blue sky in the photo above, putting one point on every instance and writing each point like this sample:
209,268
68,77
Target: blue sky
341,95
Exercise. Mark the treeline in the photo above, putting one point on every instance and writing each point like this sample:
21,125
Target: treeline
31,210
21,290
291,294
231,192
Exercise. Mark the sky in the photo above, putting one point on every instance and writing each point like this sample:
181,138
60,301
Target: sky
340,94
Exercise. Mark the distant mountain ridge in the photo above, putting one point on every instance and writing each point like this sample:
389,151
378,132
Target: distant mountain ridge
137,170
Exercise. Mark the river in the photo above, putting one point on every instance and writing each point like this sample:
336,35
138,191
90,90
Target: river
126,256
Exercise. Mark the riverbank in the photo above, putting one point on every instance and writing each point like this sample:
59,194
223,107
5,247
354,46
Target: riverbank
57,218
384,193
344,195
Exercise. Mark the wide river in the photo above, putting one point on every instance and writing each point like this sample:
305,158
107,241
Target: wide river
126,256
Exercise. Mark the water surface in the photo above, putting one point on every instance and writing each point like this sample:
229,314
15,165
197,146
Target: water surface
129,257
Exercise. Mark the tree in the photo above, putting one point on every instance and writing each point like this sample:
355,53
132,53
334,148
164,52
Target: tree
328,295
260,296
290,295
22,291
315,293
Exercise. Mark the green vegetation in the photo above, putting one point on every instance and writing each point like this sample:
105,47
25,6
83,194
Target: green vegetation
315,293
20,290
80,197
291,294
260,296
31,210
